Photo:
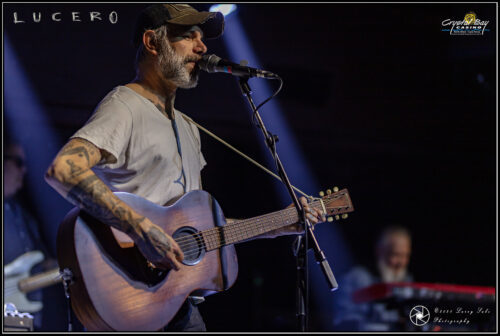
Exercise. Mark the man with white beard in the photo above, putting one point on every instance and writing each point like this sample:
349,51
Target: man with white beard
392,252
393,255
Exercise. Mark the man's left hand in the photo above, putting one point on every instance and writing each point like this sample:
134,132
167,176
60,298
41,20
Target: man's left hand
315,215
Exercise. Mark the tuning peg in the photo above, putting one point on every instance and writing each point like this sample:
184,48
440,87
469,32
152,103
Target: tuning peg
328,191
337,217
344,216
335,189
322,193
330,219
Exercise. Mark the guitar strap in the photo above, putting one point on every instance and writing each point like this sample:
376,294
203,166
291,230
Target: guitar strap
310,198
243,155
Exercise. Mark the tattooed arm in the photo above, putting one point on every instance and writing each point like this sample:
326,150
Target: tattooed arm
71,176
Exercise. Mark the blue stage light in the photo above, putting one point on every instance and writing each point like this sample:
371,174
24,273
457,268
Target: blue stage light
26,118
225,9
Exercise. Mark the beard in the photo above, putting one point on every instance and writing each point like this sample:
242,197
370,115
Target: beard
173,67
389,275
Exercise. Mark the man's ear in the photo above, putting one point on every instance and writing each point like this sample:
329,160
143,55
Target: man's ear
149,42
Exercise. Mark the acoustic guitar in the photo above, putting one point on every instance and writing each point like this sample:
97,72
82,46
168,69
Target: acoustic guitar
115,288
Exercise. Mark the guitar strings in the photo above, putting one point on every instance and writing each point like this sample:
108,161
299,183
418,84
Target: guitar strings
220,236
198,241
233,230
240,227
271,218
273,215
239,224
209,235
191,245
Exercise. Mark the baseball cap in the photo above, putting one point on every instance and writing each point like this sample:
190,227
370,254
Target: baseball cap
154,16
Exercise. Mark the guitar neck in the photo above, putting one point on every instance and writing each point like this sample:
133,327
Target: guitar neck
41,280
241,230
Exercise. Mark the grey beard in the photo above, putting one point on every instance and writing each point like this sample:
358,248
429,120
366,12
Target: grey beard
388,275
173,68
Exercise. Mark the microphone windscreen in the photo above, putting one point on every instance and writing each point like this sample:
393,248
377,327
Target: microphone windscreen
209,62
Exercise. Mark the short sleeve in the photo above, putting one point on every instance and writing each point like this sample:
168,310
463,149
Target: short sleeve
109,128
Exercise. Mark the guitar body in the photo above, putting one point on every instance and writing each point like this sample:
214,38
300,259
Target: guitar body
113,286
16,271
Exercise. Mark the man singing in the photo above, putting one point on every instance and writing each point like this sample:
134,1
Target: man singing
137,142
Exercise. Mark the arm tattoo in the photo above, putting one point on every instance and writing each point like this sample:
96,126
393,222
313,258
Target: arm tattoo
74,169
93,196
158,240
81,151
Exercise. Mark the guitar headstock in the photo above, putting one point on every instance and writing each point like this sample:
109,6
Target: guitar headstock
336,203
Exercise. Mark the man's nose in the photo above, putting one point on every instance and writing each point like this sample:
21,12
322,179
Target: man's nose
200,47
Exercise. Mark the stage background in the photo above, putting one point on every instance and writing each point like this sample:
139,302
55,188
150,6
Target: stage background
381,101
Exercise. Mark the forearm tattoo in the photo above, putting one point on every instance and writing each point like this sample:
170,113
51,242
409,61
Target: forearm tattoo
92,195
157,244
96,198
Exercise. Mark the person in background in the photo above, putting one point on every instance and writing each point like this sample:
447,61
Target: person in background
21,232
392,252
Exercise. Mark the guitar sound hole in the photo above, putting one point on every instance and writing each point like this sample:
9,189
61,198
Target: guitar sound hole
191,243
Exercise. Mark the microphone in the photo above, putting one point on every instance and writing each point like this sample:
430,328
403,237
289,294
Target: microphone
213,63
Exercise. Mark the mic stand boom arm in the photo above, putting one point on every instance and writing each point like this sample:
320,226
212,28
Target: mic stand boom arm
301,242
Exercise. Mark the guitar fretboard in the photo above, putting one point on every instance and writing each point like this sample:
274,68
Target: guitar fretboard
245,229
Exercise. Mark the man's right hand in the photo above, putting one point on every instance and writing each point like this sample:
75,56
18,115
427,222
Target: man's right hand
158,247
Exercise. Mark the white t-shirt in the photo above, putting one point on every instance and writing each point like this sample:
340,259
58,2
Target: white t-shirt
143,141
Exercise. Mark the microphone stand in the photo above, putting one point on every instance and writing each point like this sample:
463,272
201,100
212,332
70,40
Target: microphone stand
301,244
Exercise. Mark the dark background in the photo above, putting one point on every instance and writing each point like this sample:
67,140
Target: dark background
380,100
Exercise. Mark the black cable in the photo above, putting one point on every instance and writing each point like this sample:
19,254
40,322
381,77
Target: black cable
67,277
70,318
274,94
268,99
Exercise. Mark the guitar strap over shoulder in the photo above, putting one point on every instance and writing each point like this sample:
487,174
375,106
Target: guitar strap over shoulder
188,119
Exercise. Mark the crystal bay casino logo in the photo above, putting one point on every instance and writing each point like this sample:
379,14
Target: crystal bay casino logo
470,25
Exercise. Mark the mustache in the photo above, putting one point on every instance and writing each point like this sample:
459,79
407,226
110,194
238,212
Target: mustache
192,59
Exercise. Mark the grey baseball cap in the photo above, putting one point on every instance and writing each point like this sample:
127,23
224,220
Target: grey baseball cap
152,17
